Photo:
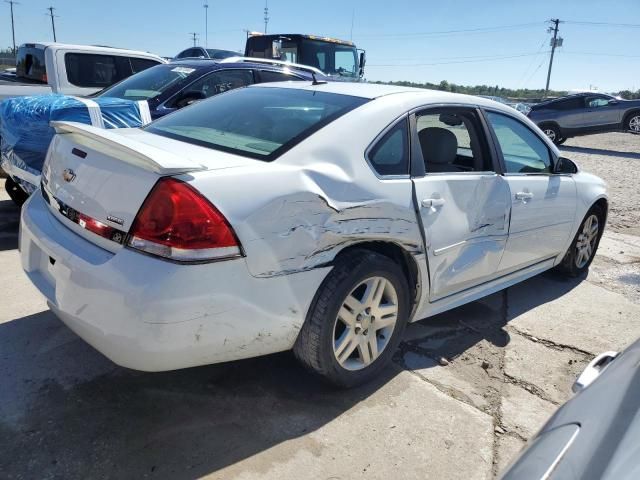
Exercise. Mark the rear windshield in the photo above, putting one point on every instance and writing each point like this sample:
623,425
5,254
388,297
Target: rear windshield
30,64
151,83
258,122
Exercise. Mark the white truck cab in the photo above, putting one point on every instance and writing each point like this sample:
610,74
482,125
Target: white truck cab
71,69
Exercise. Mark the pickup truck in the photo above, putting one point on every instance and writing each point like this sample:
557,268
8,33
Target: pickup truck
80,70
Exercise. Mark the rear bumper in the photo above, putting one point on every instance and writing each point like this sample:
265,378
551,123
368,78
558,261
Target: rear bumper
149,314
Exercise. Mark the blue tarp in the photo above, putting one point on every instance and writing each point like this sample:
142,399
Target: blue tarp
25,133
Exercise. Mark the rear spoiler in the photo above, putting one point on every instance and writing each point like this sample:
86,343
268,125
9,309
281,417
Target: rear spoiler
127,149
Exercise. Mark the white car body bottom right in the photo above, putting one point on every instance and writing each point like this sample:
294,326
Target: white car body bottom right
293,217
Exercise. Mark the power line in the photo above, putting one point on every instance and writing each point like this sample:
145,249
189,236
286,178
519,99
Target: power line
456,32
532,63
604,24
534,72
476,60
596,54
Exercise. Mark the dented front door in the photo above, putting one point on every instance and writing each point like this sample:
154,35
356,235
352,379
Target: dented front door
466,223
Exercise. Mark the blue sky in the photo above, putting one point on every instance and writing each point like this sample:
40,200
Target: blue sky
398,35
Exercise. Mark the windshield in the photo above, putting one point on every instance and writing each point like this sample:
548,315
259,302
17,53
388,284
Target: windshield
221,54
150,83
331,58
255,122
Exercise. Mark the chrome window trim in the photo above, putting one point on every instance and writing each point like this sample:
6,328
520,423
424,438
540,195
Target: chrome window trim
482,131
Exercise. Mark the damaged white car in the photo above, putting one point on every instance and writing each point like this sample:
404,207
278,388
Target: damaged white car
318,217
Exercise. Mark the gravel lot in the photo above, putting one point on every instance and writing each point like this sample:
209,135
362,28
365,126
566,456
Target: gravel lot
466,391
615,157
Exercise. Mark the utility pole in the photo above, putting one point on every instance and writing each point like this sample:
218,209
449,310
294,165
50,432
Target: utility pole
266,15
194,36
53,24
206,25
13,31
555,42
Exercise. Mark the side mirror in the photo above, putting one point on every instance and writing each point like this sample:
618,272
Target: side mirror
361,62
613,102
566,166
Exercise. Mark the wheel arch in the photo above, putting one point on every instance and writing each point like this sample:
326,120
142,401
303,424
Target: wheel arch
603,203
627,115
399,255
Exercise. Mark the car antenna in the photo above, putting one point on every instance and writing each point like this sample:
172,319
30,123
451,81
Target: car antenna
315,80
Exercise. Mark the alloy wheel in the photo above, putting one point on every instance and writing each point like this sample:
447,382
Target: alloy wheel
550,133
365,323
586,244
634,124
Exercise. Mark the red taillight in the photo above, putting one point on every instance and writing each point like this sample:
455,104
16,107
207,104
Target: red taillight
177,222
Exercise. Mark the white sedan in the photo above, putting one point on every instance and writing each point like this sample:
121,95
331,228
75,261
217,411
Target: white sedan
318,217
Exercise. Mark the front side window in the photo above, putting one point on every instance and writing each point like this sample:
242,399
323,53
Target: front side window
219,82
523,151
257,122
597,102
151,83
390,156
451,141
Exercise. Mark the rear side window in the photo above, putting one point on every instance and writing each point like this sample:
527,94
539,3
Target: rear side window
140,64
390,156
269,76
30,64
96,71
523,150
258,122
569,104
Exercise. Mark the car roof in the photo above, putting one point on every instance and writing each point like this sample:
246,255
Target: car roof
376,90
92,48
210,64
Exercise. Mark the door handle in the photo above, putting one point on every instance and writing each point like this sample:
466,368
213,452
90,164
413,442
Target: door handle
432,202
524,196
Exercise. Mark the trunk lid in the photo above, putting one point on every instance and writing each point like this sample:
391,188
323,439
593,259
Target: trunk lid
96,180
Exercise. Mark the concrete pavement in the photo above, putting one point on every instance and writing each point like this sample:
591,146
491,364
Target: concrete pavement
467,389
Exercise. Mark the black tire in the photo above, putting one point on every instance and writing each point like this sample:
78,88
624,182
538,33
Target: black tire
553,132
632,122
314,346
16,193
561,141
571,265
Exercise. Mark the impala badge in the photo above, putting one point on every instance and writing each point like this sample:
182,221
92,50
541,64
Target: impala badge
113,219
68,175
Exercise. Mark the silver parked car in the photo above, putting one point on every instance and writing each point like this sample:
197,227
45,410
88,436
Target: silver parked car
595,434
584,114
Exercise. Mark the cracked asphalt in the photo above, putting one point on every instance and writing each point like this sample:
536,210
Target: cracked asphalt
466,390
